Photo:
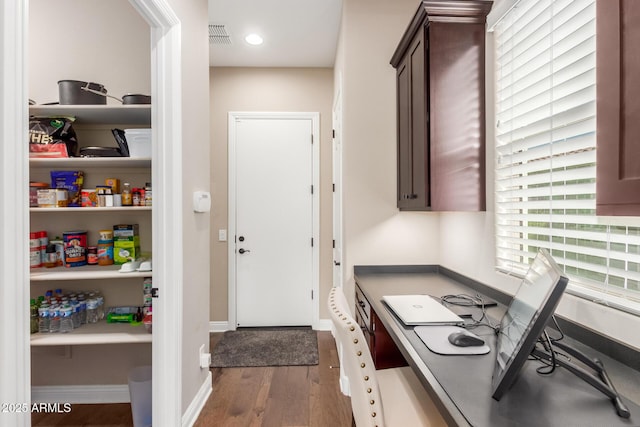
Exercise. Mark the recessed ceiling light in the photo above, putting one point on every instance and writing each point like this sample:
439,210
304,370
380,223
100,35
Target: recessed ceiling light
254,39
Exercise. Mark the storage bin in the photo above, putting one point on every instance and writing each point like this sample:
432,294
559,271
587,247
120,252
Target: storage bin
139,142
140,394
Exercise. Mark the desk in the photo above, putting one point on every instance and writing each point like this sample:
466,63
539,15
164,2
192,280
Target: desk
461,385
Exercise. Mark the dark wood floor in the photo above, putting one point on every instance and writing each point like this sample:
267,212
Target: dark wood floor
271,396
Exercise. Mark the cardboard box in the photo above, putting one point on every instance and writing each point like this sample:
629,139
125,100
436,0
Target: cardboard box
125,251
128,232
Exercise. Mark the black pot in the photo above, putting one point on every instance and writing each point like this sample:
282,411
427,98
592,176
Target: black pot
134,98
73,92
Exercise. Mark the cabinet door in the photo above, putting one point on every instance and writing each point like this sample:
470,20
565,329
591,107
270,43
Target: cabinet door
618,107
457,131
413,162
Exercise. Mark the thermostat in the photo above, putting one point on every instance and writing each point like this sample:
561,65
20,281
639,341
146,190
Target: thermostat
201,201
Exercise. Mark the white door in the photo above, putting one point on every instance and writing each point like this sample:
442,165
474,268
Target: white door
274,222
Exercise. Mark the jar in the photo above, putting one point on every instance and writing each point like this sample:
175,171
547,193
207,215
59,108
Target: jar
127,199
105,252
33,192
92,255
148,195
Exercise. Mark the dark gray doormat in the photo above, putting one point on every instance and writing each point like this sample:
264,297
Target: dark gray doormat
266,347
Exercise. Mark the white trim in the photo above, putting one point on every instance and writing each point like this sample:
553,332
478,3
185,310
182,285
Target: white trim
81,394
195,407
166,175
15,369
219,326
324,325
315,118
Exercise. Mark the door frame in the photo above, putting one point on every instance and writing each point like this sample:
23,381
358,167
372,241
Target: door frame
166,83
233,116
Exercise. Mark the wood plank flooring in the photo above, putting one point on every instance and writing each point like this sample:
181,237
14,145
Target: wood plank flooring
268,397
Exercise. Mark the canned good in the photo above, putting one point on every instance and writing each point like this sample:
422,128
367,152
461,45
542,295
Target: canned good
92,255
35,255
33,192
75,248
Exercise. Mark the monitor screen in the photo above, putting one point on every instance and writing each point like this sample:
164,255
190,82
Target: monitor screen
532,306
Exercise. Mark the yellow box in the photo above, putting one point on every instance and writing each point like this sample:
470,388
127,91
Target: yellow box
114,183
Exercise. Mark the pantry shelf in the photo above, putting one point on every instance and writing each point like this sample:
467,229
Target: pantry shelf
95,333
93,162
88,272
93,209
97,114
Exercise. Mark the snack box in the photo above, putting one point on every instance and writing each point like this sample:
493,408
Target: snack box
130,232
125,251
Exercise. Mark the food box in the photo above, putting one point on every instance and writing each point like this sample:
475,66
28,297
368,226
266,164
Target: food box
72,182
125,251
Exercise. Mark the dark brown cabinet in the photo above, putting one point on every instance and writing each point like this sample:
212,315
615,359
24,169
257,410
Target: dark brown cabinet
440,76
384,351
618,107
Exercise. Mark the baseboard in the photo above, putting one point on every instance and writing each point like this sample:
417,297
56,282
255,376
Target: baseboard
222,326
109,393
219,326
190,416
324,325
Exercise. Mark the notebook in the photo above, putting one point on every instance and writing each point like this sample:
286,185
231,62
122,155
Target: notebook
421,310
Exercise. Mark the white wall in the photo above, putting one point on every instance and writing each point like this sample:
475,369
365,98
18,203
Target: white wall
375,232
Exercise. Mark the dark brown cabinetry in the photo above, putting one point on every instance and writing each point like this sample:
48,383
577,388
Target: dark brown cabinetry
618,107
384,351
440,76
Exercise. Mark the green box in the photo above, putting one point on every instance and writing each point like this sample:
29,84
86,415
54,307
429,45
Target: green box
125,251
126,232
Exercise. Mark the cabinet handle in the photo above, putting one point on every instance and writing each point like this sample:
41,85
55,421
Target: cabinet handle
361,304
413,196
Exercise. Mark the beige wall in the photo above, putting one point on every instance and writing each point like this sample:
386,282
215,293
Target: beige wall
267,89
375,232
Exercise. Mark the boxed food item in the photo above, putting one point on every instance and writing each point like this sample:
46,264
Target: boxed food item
72,182
126,250
127,232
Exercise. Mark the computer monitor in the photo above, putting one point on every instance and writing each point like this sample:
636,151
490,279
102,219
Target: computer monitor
531,308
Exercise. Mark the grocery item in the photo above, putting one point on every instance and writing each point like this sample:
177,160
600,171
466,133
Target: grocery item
51,137
33,192
75,248
127,196
71,181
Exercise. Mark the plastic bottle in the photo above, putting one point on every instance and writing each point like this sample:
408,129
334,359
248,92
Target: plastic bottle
127,199
92,310
48,296
43,318
54,319
66,320
33,308
100,299
83,309
148,195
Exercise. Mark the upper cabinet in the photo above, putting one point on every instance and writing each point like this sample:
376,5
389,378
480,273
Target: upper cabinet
618,107
440,63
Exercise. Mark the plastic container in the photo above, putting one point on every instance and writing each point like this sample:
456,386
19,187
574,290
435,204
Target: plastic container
140,394
139,141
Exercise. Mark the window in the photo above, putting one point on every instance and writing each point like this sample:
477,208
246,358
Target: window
545,154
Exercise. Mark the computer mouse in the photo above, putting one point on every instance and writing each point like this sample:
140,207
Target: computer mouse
461,339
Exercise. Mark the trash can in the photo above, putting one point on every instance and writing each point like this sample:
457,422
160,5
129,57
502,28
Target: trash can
140,394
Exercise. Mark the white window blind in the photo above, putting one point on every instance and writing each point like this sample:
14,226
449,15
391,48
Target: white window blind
545,144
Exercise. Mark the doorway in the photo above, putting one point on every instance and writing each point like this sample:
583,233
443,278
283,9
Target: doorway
273,219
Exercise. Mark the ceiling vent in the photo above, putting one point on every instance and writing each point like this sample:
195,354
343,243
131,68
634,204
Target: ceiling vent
218,34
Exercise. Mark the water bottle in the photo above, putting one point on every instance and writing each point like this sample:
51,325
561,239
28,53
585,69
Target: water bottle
92,310
83,309
43,318
66,321
100,300
54,318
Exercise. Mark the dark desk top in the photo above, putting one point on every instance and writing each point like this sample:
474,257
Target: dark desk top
461,385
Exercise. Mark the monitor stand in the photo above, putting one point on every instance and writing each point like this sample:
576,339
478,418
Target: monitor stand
601,382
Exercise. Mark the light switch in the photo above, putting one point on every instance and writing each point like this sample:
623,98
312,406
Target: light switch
222,235
201,201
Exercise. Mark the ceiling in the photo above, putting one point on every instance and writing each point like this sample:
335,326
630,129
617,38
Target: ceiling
296,33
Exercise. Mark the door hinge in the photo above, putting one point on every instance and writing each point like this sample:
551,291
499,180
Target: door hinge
334,188
154,292
312,138
334,243
312,189
312,242
333,135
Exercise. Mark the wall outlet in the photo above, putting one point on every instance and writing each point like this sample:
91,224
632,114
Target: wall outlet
205,358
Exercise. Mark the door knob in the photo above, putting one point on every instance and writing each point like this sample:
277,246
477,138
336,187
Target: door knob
241,238
241,250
